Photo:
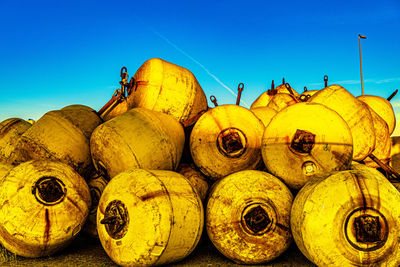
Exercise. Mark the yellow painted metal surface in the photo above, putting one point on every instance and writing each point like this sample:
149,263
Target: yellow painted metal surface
60,135
305,140
139,138
10,131
158,218
381,106
169,88
281,101
196,178
350,218
265,114
247,216
383,143
43,205
262,100
226,139
355,113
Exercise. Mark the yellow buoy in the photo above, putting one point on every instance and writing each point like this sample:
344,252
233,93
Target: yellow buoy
4,169
226,139
10,131
138,138
115,110
84,117
383,142
381,106
196,178
149,217
265,114
305,140
285,88
43,205
263,99
350,218
60,135
281,101
169,88
355,113
247,217
96,184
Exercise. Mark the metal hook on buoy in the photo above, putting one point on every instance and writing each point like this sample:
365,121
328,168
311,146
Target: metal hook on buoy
392,95
326,80
240,89
289,88
305,89
214,100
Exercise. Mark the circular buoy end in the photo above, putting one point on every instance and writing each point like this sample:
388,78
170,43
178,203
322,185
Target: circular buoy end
231,142
255,219
366,229
116,219
49,190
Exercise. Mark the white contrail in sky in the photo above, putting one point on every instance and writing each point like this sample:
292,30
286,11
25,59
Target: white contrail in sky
195,61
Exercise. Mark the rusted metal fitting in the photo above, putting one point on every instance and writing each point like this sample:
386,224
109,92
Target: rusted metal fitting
326,80
303,141
289,88
305,89
116,219
304,98
392,95
214,100
240,89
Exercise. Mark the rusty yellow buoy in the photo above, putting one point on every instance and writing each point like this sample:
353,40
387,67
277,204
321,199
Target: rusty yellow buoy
359,228
5,168
169,88
138,138
60,135
115,110
263,99
10,131
282,100
149,217
226,139
43,206
247,216
265,114
305,140
96,184
355,113
286,89
383,142
196,178
381,106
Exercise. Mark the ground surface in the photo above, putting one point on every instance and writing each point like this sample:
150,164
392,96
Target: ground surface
85,251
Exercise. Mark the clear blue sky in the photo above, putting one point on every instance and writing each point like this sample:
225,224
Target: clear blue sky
57,53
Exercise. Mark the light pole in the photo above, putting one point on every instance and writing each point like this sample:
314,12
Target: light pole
359,43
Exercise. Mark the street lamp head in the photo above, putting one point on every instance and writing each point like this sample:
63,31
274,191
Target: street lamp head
362,36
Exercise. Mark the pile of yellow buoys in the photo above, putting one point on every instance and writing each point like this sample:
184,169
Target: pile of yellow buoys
156,167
